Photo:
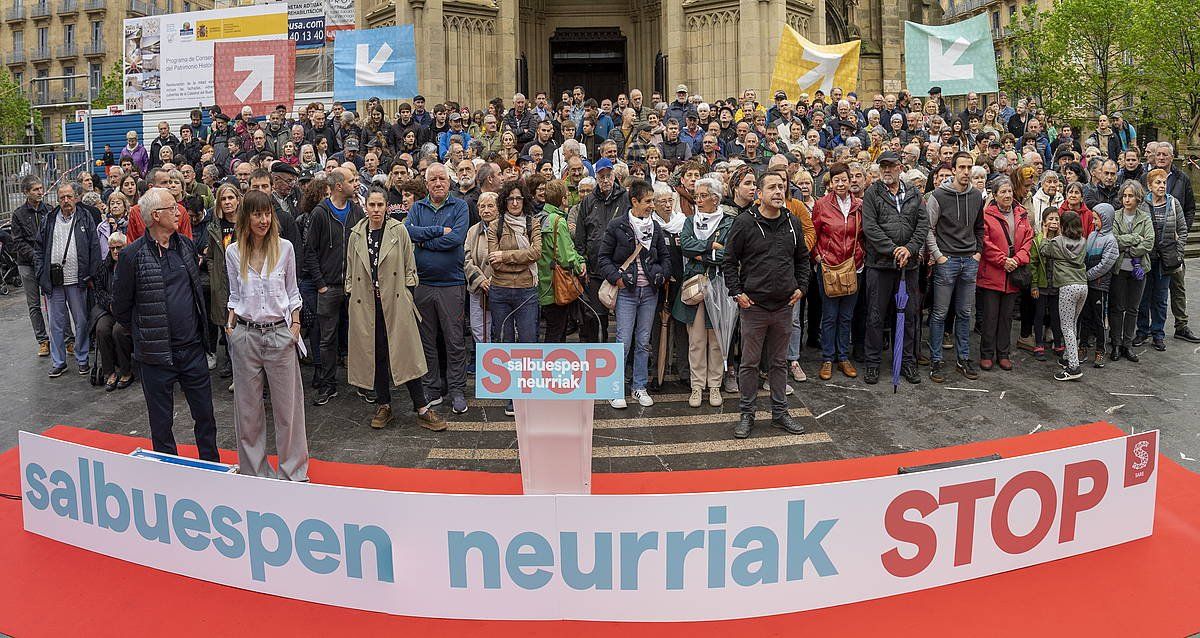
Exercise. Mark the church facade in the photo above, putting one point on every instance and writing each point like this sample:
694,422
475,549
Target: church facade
473,50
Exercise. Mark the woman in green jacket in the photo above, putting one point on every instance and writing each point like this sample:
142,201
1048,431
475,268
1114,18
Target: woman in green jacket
702,242
557,247
1134,232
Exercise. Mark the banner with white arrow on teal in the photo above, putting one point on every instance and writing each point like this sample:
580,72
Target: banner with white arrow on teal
958,58
378,63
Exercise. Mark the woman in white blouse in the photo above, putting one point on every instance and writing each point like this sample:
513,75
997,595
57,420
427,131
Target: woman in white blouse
263,329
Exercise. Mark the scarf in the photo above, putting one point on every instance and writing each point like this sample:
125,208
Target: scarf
643,229
674,226
519,226
705,224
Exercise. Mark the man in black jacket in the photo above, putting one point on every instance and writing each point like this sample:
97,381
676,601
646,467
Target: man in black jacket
595,211
325,241
157,293
521,121
766,270
895,228
26,225
165,138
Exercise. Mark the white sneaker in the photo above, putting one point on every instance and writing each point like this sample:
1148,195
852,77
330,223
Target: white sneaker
714,397
619,403
789,389
696,397
212,361
643,398
798,373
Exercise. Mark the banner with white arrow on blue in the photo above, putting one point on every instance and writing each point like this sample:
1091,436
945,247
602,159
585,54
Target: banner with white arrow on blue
957,57
378,63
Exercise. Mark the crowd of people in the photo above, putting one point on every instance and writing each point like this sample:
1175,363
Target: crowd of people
390,244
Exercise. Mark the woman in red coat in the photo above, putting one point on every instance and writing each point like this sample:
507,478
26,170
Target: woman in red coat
837,222
1003,220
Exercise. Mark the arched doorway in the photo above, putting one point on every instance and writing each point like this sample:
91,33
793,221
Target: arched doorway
593,58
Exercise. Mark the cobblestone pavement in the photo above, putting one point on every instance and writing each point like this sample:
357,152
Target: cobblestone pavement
843,417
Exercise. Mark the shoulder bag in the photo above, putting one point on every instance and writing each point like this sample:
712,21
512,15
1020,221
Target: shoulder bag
565,284
1021,277
608,292
841,280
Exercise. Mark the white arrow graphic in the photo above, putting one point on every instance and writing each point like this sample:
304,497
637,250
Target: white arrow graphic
943,61
261,70
827,66
370,72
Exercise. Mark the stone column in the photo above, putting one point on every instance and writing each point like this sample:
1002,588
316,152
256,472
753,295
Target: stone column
892,17
508,32
426,18
751,52
680,66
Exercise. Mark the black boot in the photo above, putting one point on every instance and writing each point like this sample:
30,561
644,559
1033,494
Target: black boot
1114,354
1129,354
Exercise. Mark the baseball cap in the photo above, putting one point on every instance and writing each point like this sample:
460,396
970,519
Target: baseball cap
455,115
780,95
887,157
682,88
351,143
603,164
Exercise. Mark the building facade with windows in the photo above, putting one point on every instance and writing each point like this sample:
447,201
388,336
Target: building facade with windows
473,50
54,38
1002,16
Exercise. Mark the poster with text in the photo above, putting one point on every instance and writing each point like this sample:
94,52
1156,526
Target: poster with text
168,59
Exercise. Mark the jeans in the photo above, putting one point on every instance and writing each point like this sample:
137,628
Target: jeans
837,315
796,337
73,299
33,299
1152,317
1124,298
764,339
329,314
190,370
635,318
514,314
955,278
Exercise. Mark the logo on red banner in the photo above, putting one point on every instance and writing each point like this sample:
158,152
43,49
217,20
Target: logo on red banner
258,74
1140,450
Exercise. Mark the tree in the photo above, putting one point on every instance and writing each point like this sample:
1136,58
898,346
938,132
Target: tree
1168,69
14,111
112,88
1034,68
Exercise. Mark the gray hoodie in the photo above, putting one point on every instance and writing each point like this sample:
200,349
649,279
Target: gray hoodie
1102,249
955,222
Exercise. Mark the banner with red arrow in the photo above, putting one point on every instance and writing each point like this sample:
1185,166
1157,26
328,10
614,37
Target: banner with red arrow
255,74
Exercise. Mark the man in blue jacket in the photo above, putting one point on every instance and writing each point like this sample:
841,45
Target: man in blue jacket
66,257
438,228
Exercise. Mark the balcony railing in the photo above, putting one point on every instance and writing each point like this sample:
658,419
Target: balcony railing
94,48
15,13
95,5
956,8
68,50
41,10
67,7
140,7
40,53
15,57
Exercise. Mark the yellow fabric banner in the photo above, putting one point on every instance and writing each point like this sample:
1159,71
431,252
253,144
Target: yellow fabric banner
802,66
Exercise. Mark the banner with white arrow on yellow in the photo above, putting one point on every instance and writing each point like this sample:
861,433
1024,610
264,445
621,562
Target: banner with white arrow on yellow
958,58
802,66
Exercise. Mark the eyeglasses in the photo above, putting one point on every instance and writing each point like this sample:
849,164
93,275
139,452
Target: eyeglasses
515,198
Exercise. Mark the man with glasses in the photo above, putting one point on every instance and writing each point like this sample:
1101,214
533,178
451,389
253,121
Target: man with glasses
67,254
158,295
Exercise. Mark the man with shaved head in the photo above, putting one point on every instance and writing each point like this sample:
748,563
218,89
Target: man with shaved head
438,225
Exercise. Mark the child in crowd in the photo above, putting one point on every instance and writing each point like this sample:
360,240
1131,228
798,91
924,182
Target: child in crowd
1044,291
1067,252
1100,259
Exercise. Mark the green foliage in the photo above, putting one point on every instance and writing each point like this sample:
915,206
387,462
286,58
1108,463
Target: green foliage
1034,69
1168,68
14,111
112,90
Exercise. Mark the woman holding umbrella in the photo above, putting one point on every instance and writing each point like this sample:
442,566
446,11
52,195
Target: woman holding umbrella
703,243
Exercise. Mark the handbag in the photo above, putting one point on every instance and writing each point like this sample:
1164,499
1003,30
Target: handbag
841,280
608,292
1021,277
566,286
56,270
692,292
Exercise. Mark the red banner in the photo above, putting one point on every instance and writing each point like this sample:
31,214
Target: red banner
259,74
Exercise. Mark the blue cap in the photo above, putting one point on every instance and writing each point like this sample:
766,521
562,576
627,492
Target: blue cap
604,163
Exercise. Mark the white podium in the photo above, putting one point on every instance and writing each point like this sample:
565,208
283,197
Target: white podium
553,387
554,441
